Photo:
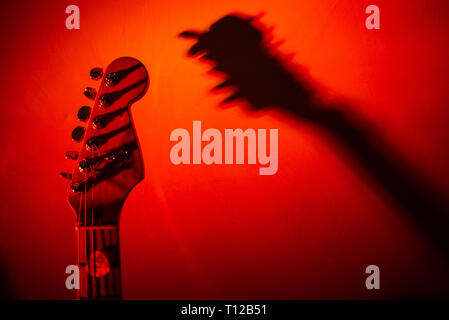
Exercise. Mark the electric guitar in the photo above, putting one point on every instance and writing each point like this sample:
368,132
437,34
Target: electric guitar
108,166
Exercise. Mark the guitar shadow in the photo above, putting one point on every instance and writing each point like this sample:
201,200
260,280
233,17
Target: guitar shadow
238,46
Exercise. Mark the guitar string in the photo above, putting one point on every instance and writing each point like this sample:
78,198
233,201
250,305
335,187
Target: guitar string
93,241
93,236
78,226
100,231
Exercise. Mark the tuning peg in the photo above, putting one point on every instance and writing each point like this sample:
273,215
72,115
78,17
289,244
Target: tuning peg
78,133
84,113
90,93
105,100
111,79
96,73
72,155
66,175
74,187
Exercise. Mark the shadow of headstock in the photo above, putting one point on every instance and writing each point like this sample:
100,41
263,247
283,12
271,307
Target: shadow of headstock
240,48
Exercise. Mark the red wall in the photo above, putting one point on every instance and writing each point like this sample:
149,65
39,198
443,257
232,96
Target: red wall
201,231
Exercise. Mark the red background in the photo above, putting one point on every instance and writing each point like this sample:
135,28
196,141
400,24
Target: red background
201,231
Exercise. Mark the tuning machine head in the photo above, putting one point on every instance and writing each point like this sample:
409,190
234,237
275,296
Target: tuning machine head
86,165
78,134
72,155
90,93
84,113
91,144
74,187
111,79
96,73
105,100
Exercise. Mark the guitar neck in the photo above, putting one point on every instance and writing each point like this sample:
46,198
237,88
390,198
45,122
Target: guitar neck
98,258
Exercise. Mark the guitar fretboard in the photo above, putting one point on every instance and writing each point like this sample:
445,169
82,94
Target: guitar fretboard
98,259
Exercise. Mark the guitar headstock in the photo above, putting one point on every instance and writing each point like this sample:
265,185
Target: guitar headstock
109,163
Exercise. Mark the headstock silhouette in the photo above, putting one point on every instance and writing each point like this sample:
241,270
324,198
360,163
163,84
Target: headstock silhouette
240,47
109,163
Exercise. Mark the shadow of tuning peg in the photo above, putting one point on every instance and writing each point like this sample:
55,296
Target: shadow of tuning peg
78,134
84,113
72,155
96,73
90,93
66,175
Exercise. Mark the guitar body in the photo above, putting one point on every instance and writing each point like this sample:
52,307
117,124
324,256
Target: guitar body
108,166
